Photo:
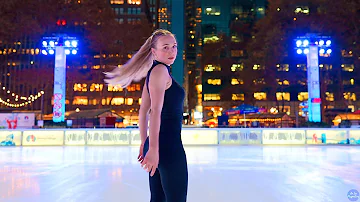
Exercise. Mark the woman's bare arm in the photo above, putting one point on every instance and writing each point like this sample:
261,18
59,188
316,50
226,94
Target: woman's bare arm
144,114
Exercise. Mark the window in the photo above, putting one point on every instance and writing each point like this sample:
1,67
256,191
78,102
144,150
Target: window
214,82
350,96
80,100
257,67
96,87
284,82
348,82
303,96
301,67
346,54
211,68
259,81
117,101
78,87
211,39
240,97
302,82
211,97
347,67
137,2
237,53
302,10
283,67
215,10
237,67
329,96
235,81
129,101
325,67
133,87
117,1
283,96
237,10
260,96
116,88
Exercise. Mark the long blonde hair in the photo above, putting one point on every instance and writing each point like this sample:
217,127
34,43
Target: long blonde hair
138,66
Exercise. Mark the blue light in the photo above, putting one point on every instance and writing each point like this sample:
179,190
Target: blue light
299,51
306,51
306,42
329,51
322,51
74,52
321,42
298,43
44,43
44,52
52,43
328,42
67,43
67,51
51,52
74,43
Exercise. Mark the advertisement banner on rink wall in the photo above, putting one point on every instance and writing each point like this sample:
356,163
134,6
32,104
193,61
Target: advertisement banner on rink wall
199,137
326,137
240,136
10,138
43,138
135,137
354,136
283,137
115,137
75,137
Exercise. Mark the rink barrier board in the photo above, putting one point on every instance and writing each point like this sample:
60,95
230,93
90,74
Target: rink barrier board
189,136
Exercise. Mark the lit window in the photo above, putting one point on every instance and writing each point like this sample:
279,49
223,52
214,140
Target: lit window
211,68
303,96
301,67
133,87
347,67
304,10
283,67
235,81
237,53
129,101
212,11
96,87
80,100
115,88
284,82
329,96
139,101
137,2
259,81
257,67
211,39
350,96
283,96
78,87
346,53
240,97
260,96
117,1
211,97
214,81
117,101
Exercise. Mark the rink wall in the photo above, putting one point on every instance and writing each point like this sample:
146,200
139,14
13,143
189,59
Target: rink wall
189,136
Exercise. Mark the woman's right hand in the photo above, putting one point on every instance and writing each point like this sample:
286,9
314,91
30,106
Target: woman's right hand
141,153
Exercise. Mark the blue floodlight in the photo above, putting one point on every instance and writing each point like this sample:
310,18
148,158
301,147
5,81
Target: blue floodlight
329,51
321,42
67,43
306,51
44,52
51,52
74,43
74,52
322,51
328,42
306,42
44,43
299,51
298,43
52,43
67,51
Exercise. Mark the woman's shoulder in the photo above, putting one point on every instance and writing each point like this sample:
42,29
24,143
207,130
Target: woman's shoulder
159,70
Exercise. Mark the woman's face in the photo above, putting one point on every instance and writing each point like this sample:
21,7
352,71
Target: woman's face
165,49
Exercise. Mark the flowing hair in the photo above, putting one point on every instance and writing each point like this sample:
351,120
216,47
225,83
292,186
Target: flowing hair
138,66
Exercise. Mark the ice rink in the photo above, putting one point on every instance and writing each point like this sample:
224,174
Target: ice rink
216,174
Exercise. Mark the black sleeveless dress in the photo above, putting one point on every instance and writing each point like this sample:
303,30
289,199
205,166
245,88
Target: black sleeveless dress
170,181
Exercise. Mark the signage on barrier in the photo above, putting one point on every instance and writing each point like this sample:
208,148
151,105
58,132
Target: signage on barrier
43,138
326,137
119,137
354,136
199,137
75,137
240,137
135,137
283,137
10,138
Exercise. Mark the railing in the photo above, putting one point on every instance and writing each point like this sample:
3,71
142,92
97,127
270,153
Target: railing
190,136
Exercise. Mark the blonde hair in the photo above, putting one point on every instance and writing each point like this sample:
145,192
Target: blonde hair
138,66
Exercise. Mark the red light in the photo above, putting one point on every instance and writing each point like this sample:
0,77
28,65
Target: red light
61,22
316,100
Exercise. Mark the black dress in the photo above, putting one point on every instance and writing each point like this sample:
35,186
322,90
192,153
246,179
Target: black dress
170,181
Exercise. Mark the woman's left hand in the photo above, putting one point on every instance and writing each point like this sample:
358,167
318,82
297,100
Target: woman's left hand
151,161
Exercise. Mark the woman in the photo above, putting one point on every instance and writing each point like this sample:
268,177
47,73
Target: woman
161,153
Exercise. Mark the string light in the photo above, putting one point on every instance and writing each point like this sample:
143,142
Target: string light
27,100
